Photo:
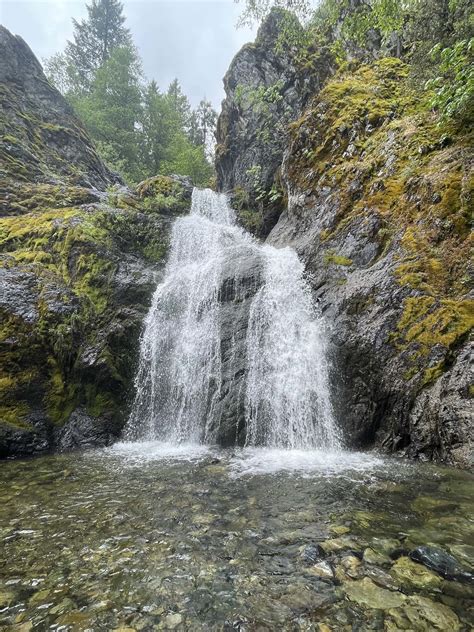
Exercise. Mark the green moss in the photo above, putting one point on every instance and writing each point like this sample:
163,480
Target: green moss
433,373
61,395
98,403
331,258
427,322
372,142
15,415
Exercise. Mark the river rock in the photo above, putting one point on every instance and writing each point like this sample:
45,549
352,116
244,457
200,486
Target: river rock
322,569
421,613
441,562
413,574
365,593
374,557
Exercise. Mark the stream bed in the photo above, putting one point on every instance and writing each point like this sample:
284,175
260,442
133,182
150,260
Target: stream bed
147,536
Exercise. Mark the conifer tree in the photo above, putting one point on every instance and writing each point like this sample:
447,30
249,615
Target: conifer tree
94,40
112,109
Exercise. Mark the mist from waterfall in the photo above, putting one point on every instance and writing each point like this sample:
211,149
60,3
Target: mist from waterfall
179,383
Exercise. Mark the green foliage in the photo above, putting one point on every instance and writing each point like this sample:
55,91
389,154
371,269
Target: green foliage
94,40
111,109
257,10
454,86
138,130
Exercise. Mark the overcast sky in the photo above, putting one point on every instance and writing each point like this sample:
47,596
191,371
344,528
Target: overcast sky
194,40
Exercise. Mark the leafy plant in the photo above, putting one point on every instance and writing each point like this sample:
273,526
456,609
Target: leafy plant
453,88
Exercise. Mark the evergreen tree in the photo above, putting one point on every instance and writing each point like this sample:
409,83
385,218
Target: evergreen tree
179,102
112,110
202,125
160,123
94,40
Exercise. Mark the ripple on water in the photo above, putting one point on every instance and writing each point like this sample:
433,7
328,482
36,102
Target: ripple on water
138,453
261,461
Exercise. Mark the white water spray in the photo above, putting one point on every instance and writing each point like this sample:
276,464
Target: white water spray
179,380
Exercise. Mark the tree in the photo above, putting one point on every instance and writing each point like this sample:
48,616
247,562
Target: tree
112,111
202,125
179,102
160,123
94,40
56,70
257,10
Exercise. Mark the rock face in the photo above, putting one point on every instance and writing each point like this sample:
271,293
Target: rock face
265,90
41,137
80,255
378,200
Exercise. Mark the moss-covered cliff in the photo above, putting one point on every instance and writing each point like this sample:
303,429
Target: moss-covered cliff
79,257
378,199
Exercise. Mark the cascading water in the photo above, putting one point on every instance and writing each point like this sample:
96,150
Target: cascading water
179,383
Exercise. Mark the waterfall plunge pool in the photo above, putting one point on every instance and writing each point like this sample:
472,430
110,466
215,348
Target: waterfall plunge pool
152,536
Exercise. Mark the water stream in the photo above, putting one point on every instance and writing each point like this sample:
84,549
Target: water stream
179,383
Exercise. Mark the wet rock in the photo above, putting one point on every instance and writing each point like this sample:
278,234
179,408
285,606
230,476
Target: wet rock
464,552
421,613
310,554
374,557
381,578
83,431
6,598
338,544
385,545
365,593
323,570
413,574
430,505
172,621
441,562
339,529
252,132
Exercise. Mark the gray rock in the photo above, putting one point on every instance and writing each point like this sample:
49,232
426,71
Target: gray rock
441,562
265,90
82,431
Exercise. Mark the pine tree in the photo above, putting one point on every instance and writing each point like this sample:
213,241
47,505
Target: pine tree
160,124
202,125
179,102
112,111
94,40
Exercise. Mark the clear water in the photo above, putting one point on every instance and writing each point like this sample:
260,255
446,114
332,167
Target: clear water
179,381
154,536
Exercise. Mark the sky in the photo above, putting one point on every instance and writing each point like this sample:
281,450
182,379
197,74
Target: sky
193,40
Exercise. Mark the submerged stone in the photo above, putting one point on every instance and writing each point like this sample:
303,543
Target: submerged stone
374,557
365,593
310,554
441,562
422,611
413,574
323,570
172,621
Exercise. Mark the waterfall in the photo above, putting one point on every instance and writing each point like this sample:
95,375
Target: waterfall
179,382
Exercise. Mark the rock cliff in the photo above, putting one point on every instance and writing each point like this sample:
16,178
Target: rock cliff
79,257
266,89
376,200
